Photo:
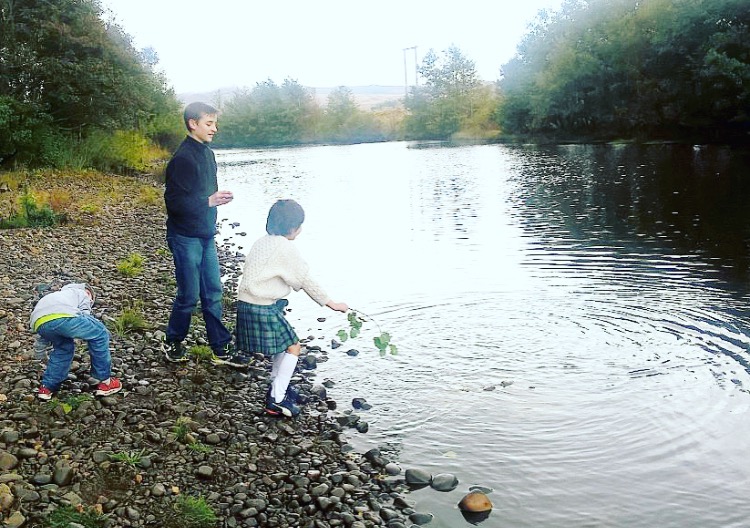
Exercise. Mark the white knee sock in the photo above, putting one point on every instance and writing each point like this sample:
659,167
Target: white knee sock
276,365
280,383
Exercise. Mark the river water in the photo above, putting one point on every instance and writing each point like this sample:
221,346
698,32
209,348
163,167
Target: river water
571,321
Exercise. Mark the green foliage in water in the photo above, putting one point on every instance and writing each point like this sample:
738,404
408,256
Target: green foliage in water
382,342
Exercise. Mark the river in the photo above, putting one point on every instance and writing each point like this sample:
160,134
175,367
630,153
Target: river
571,321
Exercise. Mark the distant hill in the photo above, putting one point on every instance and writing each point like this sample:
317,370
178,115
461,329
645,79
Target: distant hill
366,96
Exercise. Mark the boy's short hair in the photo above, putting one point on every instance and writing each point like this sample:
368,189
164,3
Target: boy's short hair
92,292
197,110
284,217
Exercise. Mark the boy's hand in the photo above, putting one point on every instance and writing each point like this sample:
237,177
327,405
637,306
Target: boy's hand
339,307
220,198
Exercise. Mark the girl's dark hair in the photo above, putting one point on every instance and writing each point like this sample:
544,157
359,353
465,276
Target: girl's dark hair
196,111
284,217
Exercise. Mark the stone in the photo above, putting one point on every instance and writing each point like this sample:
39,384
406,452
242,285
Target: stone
421,518
205,472
63,475
7,461
417,477
16,520
6,498
444,482
475,502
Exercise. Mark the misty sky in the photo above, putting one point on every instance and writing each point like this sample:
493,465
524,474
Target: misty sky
204,46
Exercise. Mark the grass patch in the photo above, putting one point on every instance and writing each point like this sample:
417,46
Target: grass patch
131,459
90,208
201,352
181,428
69,404
163,252
199,447
150,196
131,266
194,512
130,320
64,516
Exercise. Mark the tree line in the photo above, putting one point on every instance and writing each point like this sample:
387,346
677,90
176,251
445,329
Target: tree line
69,81
75,92
593,70
649,69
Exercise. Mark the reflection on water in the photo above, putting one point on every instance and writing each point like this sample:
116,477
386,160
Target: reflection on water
571,320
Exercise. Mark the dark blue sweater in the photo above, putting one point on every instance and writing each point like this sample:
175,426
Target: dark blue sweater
190,180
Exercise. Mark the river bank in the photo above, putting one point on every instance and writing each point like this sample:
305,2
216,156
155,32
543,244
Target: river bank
194,430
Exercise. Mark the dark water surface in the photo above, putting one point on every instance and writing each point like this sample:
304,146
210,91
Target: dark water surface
572,321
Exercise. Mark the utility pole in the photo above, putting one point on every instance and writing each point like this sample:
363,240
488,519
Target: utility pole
406,77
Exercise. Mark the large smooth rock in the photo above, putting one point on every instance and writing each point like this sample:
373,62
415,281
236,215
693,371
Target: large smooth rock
474,502
418,477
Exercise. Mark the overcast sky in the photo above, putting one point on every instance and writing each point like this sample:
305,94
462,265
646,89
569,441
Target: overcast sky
204,46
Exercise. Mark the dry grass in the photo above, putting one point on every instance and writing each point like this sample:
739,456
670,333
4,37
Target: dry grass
79,195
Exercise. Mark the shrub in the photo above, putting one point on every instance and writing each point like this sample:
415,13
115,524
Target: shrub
31,214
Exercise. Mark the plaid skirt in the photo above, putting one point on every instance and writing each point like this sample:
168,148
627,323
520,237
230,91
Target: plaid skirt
263,328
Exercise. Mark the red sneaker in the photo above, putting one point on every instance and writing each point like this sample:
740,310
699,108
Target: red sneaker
105,389
43,393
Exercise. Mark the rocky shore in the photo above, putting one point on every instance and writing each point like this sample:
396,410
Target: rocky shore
176,436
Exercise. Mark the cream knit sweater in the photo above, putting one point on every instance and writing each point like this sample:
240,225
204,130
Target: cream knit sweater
273,267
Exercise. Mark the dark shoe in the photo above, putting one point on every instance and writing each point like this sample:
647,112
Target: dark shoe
105,389
285,408
221,354
238,360
227,355
292,394
43,393
174,352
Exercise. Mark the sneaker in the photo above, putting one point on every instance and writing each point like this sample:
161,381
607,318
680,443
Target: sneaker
286,408
43,393
223,355
105,389
174,352
292,394
238,360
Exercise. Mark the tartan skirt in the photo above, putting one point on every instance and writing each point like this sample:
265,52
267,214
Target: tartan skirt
263,328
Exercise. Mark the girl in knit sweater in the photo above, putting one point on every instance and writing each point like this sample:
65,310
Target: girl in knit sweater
273,268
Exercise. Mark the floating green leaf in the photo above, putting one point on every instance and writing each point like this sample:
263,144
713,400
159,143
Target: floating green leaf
342,335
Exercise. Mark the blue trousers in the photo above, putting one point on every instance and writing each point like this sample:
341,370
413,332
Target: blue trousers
196,267
62,333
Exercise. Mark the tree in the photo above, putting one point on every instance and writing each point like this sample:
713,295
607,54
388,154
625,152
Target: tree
269,115
447,100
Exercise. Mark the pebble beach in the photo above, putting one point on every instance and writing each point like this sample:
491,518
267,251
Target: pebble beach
175,432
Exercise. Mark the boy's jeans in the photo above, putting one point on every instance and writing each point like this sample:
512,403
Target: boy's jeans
197,274
62,334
